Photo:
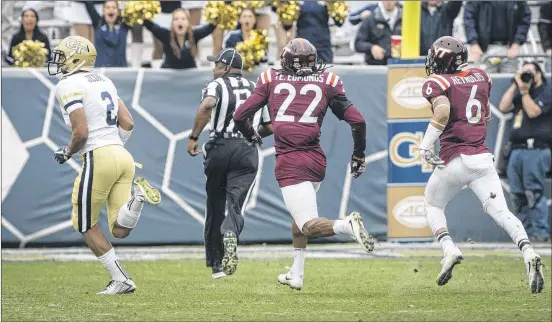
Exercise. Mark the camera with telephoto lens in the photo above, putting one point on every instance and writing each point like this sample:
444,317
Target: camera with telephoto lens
527,77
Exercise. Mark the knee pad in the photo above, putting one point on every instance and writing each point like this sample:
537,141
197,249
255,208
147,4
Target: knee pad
495,205
533,198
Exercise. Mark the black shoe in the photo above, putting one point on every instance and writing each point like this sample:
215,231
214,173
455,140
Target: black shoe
217,270
230,258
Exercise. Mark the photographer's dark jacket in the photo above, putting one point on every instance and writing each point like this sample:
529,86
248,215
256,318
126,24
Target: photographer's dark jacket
374,30
481,16
538,128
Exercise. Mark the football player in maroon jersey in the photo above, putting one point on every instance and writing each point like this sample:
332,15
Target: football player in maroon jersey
459,100
298,97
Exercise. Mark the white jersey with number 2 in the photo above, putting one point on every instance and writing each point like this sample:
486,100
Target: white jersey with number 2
98,96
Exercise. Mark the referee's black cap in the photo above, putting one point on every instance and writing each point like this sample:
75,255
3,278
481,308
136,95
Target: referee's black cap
229,57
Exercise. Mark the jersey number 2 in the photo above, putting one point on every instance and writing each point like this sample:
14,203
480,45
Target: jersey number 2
307,116
111,118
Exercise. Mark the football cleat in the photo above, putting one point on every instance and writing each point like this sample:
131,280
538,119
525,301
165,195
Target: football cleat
293,280
230,258
534,271
117,287
358,232
143,189
448,262
217,271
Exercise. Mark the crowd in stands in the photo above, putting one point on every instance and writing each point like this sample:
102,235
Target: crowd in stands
494,30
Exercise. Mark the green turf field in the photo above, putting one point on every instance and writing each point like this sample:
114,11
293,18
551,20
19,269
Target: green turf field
483,289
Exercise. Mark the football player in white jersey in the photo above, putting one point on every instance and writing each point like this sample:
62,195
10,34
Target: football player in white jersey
101,124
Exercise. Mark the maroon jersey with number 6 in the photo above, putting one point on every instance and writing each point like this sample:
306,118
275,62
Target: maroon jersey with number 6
468,93
297,107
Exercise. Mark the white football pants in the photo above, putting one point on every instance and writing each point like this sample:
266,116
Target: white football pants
475,171
300,200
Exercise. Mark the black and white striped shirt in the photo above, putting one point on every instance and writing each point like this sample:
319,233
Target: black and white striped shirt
230,92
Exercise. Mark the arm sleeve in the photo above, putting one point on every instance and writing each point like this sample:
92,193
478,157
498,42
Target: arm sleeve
244,114
544,100
203,31
470,17
213,89
363,42
94,16
345,110
523,27
340,103
159,32
70,96
358,129
545,25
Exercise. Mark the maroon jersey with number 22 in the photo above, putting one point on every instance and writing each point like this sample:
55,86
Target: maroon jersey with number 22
297,107
468,93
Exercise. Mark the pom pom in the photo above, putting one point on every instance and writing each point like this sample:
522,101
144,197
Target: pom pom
253,49
287,11
338,10
255,5
222,15
30,53
135,12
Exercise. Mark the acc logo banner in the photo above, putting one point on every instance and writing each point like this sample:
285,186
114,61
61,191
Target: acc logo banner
406,165
404,93
406,213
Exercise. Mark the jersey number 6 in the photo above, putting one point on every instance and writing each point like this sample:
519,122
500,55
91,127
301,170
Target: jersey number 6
111,118
307,116
472,101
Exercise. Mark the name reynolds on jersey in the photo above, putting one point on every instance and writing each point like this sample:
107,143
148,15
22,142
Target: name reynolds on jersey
292,78
474,78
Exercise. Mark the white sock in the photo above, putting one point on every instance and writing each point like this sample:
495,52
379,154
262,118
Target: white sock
299,261
341,227
111,263
446,242
156,63
129,214
513,226
136,54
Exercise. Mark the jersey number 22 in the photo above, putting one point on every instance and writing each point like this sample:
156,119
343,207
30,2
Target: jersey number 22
111,118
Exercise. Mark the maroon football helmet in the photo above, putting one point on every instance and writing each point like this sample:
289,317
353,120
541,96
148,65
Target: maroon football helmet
447,55
299,57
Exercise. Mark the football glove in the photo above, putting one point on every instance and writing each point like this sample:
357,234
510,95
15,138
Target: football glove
432,158
61,155
357,167
254,140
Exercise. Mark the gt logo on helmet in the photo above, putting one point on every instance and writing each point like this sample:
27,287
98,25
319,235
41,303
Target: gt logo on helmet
76,46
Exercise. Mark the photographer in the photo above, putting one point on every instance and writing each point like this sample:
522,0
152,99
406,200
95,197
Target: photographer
530,99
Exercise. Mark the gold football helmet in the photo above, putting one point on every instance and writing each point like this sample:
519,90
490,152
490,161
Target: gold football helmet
74,53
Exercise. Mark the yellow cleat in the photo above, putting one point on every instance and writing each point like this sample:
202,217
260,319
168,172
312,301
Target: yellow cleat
151,194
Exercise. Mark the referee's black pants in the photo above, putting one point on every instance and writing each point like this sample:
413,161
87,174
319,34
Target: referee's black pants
231,167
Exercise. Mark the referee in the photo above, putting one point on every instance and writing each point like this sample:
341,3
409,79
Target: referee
230,163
